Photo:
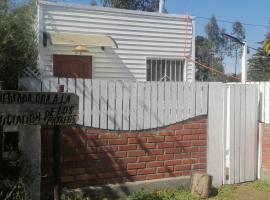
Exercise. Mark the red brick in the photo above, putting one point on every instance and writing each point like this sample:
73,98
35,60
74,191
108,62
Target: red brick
154,176
182,155
183,132
128,160
147,134
165,157
165,169
137,140
165,145
127,147
130,134
155,151
155,139
147,158
172,162
166,133
132,172
177,126
173,174
182,144
198,131
154,164
136,166
202,149
198,154
189,149
147,146
119,154
182,167
117,141
135,153
146,171
199,143
173,138
139,178
199,166
188,161
172,150
112,135
190,137
202,136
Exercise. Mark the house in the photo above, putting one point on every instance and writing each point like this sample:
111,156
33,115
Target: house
78,41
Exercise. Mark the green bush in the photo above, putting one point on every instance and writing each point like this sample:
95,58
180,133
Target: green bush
13,190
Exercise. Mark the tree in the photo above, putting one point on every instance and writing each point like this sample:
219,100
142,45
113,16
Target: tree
144,5
203,55
93,3
259,66
266,44
213,35
239,32
18,46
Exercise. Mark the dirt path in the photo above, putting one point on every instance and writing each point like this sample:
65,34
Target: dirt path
243,192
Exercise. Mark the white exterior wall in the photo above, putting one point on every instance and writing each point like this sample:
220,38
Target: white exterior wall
139,35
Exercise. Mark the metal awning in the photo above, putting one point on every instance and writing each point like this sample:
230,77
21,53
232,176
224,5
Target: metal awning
82,39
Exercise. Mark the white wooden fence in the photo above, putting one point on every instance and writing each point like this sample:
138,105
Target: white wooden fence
130,105
232,132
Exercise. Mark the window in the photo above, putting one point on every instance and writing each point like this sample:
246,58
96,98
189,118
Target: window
165,70
72,66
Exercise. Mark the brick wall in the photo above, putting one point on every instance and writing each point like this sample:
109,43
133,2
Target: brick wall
96,157
266,147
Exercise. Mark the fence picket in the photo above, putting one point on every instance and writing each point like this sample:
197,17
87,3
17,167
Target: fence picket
147,106
174,103
80,92
96,103
140,111
103,104
167,102
180,101
154,109
160,121
88,103
119,103
133,105
111,105
126,104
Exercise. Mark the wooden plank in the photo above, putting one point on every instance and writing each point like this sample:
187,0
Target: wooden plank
88,103
103,104
168,104
96,103
231,133
180,101
204,98
147,105
80,92
251,132
133,106
119,104
126,104
192,100
267,103
161,99
186,105
174,102
50,84
111,105
154,108
140,119
71,85
262,96
242,165
215,151
237,131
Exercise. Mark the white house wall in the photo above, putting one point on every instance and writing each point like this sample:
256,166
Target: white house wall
139,35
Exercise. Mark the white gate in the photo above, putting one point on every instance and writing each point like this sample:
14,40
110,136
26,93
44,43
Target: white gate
232,132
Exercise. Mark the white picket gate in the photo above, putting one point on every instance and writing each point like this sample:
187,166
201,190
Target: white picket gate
232,132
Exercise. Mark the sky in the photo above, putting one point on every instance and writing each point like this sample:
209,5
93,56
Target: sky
254,12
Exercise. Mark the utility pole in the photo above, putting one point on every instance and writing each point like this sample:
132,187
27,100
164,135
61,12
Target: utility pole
244,63
161,6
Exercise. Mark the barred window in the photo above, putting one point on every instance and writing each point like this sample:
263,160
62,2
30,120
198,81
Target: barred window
165,69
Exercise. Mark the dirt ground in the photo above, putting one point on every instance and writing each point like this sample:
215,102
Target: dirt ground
244,192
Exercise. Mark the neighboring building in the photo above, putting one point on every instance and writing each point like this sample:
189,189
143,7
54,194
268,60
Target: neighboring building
114,43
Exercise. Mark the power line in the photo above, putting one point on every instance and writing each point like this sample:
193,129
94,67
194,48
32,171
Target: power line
231,22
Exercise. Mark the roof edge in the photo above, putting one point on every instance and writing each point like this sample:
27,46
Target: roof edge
117,10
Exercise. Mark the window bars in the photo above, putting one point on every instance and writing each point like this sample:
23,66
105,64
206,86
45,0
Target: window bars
165,69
